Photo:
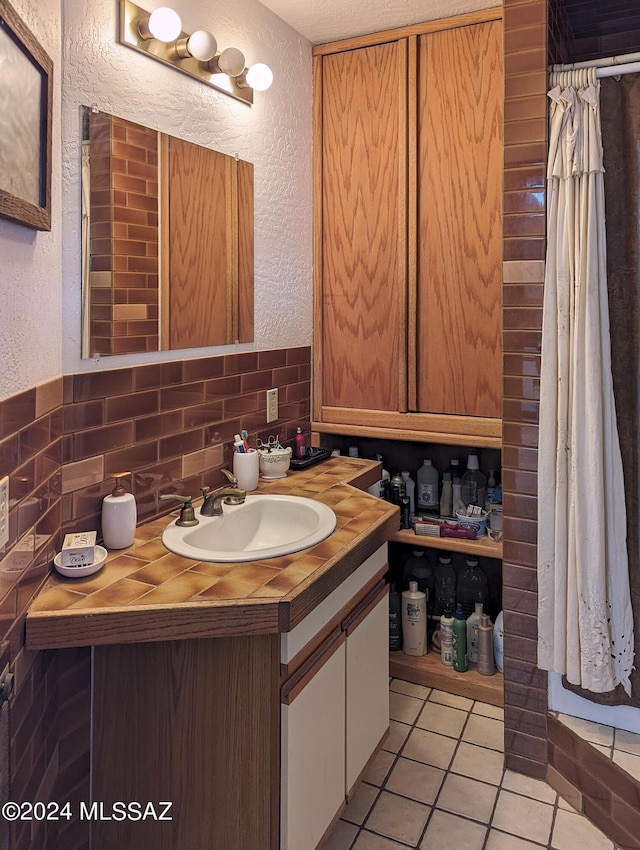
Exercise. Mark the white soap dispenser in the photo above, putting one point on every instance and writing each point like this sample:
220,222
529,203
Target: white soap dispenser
119,515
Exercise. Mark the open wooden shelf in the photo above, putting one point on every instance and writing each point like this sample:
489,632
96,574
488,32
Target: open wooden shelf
482,548
430,671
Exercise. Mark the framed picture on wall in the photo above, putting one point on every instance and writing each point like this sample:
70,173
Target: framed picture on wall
26,93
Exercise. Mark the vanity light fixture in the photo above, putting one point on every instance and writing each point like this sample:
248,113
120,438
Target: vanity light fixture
159,35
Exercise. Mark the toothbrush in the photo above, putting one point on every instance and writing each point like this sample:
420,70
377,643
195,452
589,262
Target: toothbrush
245,439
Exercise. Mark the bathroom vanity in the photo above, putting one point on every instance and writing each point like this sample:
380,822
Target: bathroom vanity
249,696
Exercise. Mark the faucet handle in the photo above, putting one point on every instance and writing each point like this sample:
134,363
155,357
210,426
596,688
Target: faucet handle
187,514
231,477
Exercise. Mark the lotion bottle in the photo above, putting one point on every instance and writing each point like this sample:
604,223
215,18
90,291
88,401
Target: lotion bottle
485,647
473,623
414,620
119,517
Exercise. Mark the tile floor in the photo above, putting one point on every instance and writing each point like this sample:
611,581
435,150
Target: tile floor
439,783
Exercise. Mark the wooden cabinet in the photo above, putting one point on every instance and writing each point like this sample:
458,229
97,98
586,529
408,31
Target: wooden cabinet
408,231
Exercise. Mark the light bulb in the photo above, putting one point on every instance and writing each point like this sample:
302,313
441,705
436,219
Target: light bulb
259,76
164,24
202,45
231,61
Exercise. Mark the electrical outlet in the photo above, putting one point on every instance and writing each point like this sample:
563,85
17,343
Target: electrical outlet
272,405
4,511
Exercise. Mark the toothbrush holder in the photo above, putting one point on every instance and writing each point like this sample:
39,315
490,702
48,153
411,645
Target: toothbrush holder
246,468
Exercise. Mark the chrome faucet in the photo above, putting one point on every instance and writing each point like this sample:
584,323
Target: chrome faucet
229,494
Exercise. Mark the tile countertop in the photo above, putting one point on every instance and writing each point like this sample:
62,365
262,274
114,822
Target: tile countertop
146,593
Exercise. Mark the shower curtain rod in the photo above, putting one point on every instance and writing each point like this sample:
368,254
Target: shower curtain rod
612,66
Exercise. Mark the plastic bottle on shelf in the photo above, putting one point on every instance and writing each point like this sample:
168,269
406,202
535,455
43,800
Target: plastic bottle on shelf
498,642
473,586
414,621
455,468
300,448
379,489
410,491
491,486
459,641
446,637
458,504
446,499
395,619
445,584
485,647
474,483
396,489
473,622
427,495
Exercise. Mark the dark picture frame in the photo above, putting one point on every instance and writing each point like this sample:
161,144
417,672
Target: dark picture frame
26,100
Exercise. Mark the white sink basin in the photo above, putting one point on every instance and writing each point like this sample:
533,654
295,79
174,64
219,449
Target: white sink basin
261,527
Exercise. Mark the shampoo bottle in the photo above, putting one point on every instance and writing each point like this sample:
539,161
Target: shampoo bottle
473,623
428,478
485,647
414,621
459,641
119,517
446,637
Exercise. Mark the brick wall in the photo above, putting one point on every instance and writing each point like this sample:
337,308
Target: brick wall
525,35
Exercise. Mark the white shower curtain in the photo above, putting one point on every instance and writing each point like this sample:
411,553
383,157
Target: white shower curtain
585,619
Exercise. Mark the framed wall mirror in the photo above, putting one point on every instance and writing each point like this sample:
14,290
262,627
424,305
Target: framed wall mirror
167,241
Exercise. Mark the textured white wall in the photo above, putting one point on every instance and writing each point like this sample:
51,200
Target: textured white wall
30,261
275,134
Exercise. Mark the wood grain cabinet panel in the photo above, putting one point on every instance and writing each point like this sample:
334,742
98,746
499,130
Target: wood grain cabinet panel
408,222
363,225
459,305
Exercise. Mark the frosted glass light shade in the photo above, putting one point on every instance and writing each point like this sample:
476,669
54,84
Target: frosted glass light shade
164,24
202,45
231,61
259,76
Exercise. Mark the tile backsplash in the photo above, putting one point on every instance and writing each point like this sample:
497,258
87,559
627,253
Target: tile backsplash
171,426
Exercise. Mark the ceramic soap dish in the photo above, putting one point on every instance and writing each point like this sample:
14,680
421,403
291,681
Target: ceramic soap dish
99,559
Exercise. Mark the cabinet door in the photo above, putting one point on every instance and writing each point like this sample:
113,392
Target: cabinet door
312,753
459,286
367,686
363,223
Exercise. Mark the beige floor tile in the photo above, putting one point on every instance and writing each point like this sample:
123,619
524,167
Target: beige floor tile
442,719
403,708
529,787
397,736
487,710
359,807
565,804
416,780
379,768
398,818
628,742
463,796
452,700
503,841
370,841
522,817
342,836
595,733
572,830
485,732
409,688
449,832
478,763
429,748
628,762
